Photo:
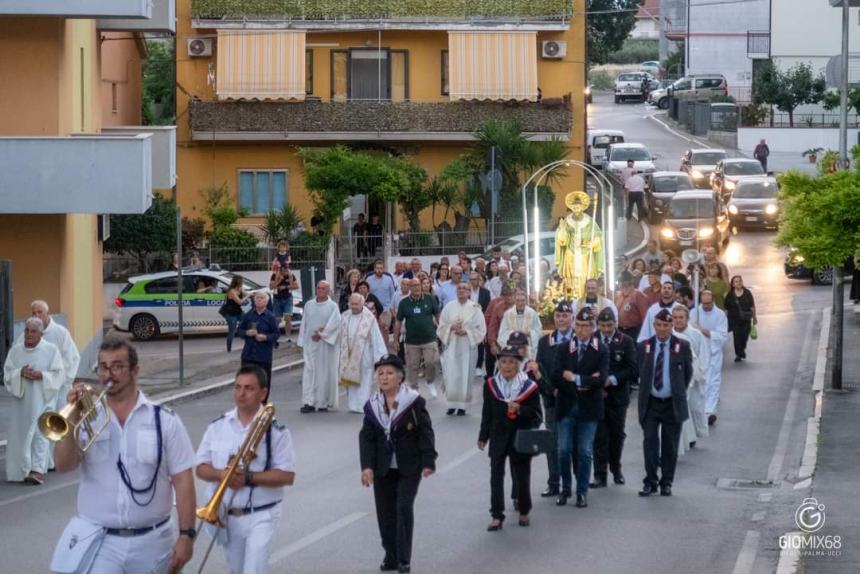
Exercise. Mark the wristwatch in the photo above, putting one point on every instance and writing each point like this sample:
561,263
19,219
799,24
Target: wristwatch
249,478
189,532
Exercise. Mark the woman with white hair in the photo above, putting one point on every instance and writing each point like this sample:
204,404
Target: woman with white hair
33,374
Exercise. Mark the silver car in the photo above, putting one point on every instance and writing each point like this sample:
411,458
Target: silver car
754,203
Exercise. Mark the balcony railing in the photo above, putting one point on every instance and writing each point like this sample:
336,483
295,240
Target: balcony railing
372,120
758,45
78,9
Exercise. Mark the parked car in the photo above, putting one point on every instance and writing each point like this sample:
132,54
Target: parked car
701,86
662,187
629,86
754,202
652,67
694,220
147,305
515,246
598,141
795,269
701,163
618,154
729,171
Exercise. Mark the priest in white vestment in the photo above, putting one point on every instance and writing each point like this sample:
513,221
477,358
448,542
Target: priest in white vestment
712,322
521,318
461,329
667,301
361,345
33,374
318,339
696,426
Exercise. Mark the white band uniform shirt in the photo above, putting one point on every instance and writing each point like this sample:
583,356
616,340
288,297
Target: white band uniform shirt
247,537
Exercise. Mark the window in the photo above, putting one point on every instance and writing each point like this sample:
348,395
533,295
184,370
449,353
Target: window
262,191
161,286
339,75
445,84
309,72
369,74
706,83
399,75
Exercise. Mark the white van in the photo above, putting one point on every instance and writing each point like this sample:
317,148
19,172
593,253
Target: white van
597,143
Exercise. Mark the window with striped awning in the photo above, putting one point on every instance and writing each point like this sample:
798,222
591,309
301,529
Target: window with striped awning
492,65
261,65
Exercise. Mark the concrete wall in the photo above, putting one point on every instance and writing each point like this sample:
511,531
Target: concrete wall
645,29
794,140
121,79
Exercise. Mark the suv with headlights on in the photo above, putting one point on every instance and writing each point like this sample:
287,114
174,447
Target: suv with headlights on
694,220
754,202
661,188
701,163
729,171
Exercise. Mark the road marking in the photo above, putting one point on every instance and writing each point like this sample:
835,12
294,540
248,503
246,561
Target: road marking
315,537
678,134
775,468
458,461
746,558
38,492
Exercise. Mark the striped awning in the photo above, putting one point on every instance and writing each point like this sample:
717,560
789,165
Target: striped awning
492,65
261,65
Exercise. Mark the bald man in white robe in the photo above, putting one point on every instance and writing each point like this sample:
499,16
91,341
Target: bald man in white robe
712,322
318,339
361,345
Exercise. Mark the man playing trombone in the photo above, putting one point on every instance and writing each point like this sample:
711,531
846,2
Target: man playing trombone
250,509
138,457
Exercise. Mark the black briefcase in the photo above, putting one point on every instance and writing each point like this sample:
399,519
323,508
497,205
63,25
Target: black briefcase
533,441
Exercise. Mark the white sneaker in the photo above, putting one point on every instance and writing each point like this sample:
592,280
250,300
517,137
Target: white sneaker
479,372
433,392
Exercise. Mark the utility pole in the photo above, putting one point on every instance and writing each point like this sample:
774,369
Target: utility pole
838,296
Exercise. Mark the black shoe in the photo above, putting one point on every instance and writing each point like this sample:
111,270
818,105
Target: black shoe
388,565
648,490
598,483
495,525
738,359
449,412
524,522
562,499
711,420
550,491
618,478
665,490
404,568
307,409
461,413
693,444
581,501
322,410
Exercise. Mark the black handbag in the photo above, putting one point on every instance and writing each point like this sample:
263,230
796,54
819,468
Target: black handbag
533,442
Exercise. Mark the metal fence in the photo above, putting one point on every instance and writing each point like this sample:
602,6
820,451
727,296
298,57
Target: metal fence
806,120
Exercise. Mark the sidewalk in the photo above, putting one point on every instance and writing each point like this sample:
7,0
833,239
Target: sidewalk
836,477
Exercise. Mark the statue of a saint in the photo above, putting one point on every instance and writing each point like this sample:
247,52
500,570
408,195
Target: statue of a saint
578,246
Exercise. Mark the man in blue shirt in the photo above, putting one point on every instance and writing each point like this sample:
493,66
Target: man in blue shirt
259,329
383,287
448,291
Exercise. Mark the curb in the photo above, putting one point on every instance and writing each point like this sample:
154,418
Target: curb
646,232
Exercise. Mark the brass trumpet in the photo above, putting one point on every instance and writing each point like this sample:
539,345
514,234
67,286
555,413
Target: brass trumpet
57,425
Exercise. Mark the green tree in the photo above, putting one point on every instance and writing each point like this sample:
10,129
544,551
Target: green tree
153,231
279,225
608,26
789,89
832,100
159,90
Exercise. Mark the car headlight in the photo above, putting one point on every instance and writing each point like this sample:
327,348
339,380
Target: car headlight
668,233
587,90
733,209
730,185
799,258
770,209
706,232
698,174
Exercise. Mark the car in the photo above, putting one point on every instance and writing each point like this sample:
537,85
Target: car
662,186
700,163
617,156
795,269
695,219
652,67
514,245
598,141
754,203
629,86
147,305
728,171
699,87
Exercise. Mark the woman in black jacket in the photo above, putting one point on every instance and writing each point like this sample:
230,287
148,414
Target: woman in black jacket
740,311
511,403
397,449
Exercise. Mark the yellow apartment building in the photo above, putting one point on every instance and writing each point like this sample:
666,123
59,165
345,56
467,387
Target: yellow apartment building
257,80
62,172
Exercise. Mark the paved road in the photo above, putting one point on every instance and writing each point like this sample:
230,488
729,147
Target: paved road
329,525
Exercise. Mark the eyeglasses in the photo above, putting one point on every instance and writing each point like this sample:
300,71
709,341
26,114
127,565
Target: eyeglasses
114,368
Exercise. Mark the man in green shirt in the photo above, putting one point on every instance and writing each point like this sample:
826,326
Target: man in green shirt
417,314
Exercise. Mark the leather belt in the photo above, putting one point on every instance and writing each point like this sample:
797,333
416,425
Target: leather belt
666,400
246,511
127,532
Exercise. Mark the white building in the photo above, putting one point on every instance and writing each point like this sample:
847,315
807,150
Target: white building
647,21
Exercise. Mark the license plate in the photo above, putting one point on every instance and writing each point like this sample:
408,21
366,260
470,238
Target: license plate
752,218
686,243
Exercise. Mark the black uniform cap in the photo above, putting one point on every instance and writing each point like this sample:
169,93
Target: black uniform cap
585,314
664,315
606,315
517,339
510,352
390,361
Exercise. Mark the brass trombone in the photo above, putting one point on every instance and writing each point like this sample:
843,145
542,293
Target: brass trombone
57,425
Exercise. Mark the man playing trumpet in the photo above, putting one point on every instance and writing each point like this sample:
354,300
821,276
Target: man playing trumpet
252,506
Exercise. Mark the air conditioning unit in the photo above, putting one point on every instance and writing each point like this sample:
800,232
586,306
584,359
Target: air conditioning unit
553,50
199,47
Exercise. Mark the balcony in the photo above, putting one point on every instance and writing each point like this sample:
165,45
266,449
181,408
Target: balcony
163,20
675,31
163,151
758,45
442,15
78,8
76,174
371,121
